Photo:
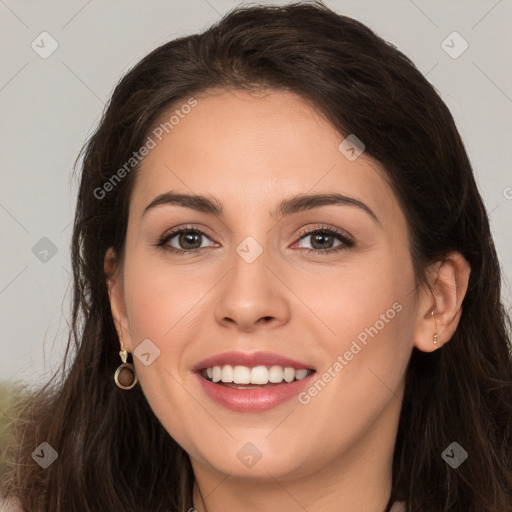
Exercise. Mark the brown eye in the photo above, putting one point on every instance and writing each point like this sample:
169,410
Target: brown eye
185,240
323,240
188,240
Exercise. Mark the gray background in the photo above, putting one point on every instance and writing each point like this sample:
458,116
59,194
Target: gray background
49,107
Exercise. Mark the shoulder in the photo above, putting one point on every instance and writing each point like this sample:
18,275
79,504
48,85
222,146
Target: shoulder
398,506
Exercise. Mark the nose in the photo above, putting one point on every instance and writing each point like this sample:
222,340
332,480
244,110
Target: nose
252,297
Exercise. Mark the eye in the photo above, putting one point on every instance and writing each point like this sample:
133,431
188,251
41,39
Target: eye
188,239
323,240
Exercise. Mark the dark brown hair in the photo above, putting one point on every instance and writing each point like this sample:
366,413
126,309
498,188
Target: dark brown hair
113,452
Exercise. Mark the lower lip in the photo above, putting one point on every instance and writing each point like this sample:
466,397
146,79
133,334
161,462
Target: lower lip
256,399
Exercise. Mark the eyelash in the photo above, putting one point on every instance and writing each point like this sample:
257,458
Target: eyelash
347,242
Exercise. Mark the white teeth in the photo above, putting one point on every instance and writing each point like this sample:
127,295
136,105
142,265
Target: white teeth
275,374
300,374
289,374
255,375
216,373
259,375
227,373
241,375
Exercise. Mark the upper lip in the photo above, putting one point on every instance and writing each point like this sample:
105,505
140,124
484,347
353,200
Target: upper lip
250,359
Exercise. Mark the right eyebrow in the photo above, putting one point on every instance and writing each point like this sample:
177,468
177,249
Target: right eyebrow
196,202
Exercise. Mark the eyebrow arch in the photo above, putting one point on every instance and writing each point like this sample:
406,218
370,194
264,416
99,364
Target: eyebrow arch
289,206
308,201
196,202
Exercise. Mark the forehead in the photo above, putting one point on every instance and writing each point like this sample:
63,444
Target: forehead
246,148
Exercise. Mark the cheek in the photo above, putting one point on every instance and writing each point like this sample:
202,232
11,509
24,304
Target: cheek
370,312
157,304
366,359
160,307
160,297
358,296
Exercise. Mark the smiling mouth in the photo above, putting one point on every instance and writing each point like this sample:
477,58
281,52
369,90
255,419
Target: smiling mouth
256,377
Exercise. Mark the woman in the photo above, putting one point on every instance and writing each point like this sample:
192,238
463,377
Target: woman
278,225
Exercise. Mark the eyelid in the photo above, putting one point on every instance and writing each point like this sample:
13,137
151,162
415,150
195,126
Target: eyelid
187,227
324,227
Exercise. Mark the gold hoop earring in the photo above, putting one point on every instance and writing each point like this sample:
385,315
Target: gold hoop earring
435,335
125,377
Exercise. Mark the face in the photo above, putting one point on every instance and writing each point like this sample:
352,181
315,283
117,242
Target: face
325,284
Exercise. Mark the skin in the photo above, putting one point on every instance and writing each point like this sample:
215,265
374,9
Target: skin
250,151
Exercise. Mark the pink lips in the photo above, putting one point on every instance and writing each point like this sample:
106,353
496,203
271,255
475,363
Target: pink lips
250,359
255,399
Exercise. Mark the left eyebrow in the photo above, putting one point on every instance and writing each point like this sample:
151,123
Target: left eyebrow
308,201
288,206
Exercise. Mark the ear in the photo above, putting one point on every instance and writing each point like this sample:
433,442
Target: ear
113,272
447,285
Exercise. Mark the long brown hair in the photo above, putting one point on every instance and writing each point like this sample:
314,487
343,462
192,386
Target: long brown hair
113,454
